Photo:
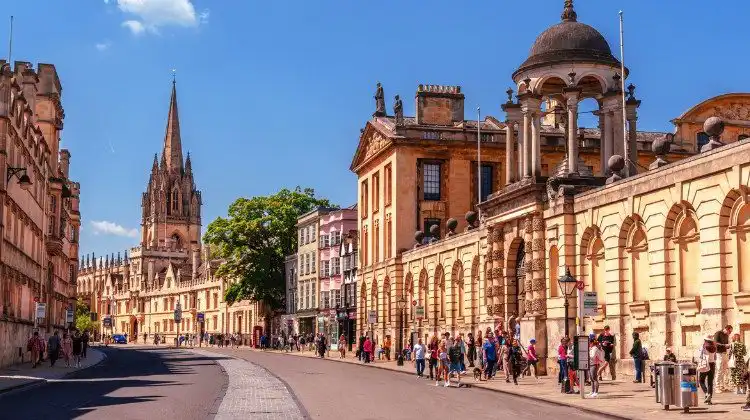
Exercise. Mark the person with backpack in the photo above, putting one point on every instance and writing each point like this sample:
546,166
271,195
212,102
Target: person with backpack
705,358
636,352
455,356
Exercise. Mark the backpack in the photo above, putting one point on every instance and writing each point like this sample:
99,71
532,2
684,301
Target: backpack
644,353
455,353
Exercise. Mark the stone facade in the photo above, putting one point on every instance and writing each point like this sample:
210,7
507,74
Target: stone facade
140,291
665,249
40,214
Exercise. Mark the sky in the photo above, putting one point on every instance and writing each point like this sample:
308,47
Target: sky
272,94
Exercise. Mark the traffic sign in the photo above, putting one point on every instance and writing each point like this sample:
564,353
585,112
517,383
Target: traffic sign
413,303
107,322
580,285
201,317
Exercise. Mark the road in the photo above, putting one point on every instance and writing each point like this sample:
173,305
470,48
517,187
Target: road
132,383
330,390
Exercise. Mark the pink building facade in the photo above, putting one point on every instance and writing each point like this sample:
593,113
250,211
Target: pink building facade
333,227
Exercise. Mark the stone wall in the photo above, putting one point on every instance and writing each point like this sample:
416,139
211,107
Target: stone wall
14,336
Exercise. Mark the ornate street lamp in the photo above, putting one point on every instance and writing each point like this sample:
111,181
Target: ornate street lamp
401,304
567,286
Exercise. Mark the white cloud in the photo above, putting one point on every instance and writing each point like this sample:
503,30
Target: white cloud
103,46
110,228
135,27
150,15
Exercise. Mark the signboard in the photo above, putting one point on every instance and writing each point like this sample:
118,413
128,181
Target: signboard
201,317
69,316
419,312
41,310
94,316
372,316
107,322
581,352
590,304
178,313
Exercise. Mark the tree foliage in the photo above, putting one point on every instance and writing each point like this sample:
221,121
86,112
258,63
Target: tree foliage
83,316
253,240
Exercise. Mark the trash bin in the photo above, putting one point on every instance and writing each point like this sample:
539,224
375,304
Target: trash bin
686,386
664,377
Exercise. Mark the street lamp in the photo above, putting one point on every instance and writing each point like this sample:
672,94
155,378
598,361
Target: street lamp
567,285
401,304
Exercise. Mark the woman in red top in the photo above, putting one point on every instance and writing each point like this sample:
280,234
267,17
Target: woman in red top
531,359
367,350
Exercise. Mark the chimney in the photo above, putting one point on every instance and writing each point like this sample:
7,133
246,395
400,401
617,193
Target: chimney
439,105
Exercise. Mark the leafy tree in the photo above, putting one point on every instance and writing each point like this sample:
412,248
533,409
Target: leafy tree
83,316
254,239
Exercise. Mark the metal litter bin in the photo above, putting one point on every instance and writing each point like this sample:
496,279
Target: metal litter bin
664,380
686,386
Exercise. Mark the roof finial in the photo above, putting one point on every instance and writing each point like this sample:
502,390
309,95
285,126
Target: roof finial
174,76
569,13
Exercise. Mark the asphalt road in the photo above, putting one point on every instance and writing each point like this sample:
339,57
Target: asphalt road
332,390
132,383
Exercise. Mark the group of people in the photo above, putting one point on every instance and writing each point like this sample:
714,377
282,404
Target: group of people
72,348
722,363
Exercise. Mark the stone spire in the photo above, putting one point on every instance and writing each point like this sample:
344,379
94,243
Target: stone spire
569,12
188,164
155,167
172,153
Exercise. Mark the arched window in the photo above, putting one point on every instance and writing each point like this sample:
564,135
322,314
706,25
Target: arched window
595,264
457,278
701,141
639,267
175,201
387,299
554,263
687,243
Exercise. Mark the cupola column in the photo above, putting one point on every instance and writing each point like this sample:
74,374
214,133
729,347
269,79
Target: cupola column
513,113
572,96
530,106
526,149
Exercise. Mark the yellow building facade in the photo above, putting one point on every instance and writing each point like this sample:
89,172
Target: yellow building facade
657,228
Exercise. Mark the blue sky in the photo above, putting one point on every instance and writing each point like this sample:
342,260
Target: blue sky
273,93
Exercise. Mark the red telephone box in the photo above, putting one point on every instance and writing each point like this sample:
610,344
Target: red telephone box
257,332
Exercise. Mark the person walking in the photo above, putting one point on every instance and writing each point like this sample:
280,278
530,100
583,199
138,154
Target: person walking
721,338
462,344
607,343
443,366
433,349
67,348
514,359
705,357
455,357
490,357
562,351
636,352
53,348
471,352
342,346
737,364
85,337
596,359
505,353
531,359
419,357
77,349
367,350
36,346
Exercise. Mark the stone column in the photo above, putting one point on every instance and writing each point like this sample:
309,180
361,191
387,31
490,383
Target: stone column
489,289
607,139
538,264
572,102
528,268
519,153
527,116
509,157
498,257
536,141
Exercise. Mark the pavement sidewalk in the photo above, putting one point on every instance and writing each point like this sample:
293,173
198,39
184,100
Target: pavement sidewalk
23,375
618,399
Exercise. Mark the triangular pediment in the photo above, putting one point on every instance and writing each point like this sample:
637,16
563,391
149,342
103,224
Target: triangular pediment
730,107
371,142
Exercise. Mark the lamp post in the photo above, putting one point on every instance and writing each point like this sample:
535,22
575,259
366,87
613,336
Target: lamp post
401,303
567,286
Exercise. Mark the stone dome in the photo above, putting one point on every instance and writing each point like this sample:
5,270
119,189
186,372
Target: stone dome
569,41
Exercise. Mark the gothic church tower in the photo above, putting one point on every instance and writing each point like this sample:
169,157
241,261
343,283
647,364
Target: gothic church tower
171,204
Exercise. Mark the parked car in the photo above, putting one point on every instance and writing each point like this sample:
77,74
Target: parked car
119,339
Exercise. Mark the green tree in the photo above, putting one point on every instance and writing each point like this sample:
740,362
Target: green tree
83,316
254,239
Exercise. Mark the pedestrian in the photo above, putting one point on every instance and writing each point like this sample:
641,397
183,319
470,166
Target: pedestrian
505,351
387,347
35,346
53,348
322,346
77,349
342,346
419,357
462,344
514,360
705,357
455,357
85,341
596,359
434,349
67,348
636,352
737,365
562,361
472,349
443,366
607,342
490,358
721,338
531,359
367,350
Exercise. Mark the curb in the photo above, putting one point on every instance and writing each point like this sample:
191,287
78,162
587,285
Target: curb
39,382
477,386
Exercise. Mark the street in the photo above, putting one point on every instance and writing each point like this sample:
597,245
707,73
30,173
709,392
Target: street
330,390
133,383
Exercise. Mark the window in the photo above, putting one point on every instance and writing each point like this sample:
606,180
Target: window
324,299
427,224
335,298
486,137
312,264
364,246
216,300
376,241
431,175
487,175
375,192
312,294
325,241
304,236
363,199
702,140
325,271
431,135
335,238
335,266
388,181
175,200
388,245
313,234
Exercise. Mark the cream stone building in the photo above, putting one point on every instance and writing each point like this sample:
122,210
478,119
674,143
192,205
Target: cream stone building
40,214
140,291
656,223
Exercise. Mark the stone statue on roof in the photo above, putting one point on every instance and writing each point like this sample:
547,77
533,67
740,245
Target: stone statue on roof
379,102
398,110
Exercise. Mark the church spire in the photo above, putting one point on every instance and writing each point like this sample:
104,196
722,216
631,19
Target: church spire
172,153
569,13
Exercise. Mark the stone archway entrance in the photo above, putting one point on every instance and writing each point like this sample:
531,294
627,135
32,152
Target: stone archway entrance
520,270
